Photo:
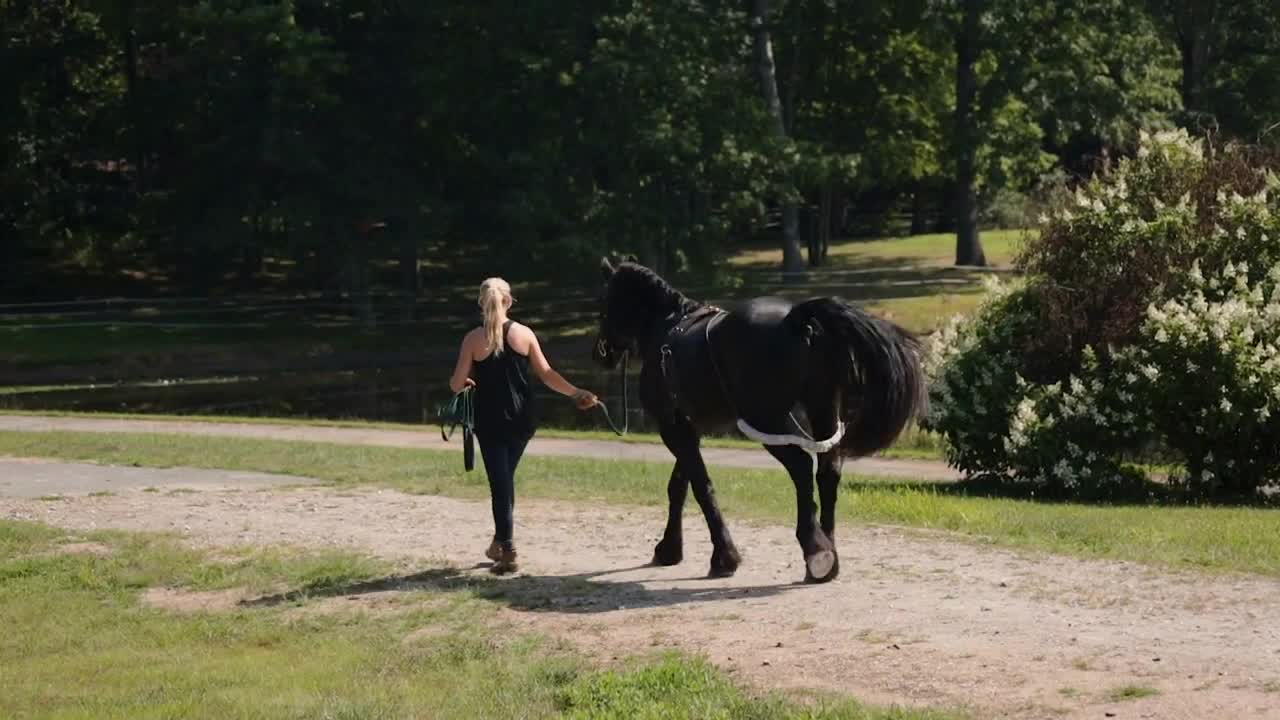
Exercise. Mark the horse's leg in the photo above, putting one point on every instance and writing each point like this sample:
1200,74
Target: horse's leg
828,476
682,440
670,549
819,555
828,484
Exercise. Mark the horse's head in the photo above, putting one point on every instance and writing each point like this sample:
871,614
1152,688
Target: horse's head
620,324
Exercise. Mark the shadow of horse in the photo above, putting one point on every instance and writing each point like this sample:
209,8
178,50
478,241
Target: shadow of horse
583,593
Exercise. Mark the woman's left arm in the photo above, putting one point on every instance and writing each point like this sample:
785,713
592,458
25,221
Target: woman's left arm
462,370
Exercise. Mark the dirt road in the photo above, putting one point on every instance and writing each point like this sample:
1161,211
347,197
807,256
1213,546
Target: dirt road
429,439
914,618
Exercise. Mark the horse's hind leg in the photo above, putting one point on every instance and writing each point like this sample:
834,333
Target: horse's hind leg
670,549
828,476
820,561
683,442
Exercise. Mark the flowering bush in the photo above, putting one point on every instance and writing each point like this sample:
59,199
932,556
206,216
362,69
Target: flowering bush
1102,256
973,364
1208,369
1140,322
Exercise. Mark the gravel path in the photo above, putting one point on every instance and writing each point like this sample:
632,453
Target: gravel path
915,618
429,438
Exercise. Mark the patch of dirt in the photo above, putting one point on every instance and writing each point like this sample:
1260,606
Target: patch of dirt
382,602
192,601
917,619
82,548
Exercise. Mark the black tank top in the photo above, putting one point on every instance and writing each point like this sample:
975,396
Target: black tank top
504,398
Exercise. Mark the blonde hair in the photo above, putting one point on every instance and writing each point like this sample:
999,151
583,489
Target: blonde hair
495,298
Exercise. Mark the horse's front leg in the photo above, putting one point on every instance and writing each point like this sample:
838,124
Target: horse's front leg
683,442
670,549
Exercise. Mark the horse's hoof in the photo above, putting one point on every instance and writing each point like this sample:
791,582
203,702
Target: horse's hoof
822,566
721,572
666,555
724,565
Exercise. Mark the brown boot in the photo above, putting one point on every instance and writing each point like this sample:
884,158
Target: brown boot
494,551
506,562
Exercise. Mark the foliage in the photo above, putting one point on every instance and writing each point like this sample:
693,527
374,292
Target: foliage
1112,345
190,145
1207,365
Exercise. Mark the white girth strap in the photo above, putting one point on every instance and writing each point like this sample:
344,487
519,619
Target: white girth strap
811,446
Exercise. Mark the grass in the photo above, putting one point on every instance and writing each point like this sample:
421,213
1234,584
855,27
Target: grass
933,249
79,644
907,278
914,444
1131,692
1205,538
910,280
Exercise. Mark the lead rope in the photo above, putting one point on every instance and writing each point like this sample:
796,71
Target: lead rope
626,415
461,410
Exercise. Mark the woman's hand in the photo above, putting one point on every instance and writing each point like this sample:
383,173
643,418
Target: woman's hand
585,400
468,384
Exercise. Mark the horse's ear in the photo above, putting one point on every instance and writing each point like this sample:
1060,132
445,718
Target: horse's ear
606,268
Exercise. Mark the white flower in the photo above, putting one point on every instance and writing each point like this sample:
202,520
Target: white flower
1225,404
1196,276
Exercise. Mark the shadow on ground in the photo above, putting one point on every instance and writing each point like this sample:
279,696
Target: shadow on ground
584,593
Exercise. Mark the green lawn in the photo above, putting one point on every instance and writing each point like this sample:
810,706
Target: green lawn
1210,538
78,643
910,280
914,444
930,250
882,266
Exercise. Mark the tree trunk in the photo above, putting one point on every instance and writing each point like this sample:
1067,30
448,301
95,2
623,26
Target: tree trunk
919,219
131,97
968,243
410,278
1195,57
792,259
1194,22
828,201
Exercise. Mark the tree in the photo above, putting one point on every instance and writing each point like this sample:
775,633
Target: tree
792,261
965,138
1022,69
1230,60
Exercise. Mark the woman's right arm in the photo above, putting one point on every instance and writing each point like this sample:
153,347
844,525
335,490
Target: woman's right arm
462,369
554,380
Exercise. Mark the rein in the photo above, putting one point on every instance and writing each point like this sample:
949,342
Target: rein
460,410
626,416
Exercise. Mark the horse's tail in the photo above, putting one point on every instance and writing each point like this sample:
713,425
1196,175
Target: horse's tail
876,367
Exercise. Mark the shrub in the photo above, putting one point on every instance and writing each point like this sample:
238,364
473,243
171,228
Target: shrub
1124,237
1207,368
1149,314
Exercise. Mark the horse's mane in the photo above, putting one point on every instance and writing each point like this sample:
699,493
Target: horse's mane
641,282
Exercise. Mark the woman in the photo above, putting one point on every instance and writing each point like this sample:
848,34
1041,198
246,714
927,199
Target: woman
496,359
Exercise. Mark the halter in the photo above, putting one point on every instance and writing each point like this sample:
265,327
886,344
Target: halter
602,350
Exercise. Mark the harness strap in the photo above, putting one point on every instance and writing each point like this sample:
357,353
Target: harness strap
666,362
809,445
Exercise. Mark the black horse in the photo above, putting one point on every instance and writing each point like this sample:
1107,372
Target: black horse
854,380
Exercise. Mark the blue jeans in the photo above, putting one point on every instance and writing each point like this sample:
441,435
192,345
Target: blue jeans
501,456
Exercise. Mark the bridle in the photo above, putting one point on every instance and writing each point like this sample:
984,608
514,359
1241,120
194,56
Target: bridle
604,350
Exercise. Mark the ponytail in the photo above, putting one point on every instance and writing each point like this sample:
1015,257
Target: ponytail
495,298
